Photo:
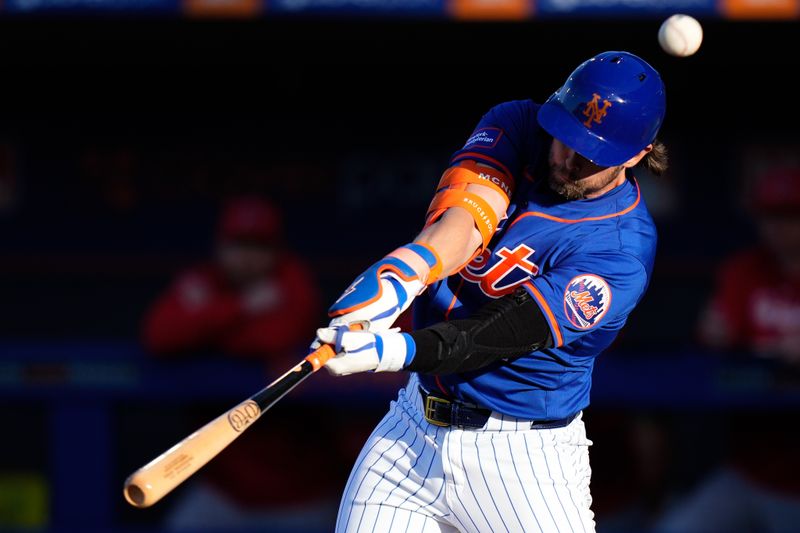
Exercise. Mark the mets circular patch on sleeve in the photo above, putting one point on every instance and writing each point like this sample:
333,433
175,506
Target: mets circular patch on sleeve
586,300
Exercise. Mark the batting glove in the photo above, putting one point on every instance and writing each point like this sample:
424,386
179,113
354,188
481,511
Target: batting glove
363,351
387,288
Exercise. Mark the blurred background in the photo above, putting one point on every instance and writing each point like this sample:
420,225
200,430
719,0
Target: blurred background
176,179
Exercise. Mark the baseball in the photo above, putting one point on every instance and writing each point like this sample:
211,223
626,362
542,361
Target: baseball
680,35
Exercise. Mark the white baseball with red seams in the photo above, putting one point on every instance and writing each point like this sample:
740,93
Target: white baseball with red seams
680,35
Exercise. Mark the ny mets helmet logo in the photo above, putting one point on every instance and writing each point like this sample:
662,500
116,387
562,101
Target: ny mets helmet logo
594,112
586,300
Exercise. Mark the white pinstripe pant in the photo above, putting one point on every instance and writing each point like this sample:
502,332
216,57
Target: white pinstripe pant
416,477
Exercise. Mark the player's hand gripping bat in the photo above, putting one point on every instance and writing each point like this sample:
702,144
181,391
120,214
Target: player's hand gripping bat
157,478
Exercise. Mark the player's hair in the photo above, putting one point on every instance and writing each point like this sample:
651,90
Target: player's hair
656,160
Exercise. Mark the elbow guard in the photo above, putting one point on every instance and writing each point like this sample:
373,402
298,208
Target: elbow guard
503,329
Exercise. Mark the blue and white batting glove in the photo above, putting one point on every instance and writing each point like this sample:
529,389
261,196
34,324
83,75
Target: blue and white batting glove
364,351
387,288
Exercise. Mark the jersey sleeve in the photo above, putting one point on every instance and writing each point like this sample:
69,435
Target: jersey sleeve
502,138
590,292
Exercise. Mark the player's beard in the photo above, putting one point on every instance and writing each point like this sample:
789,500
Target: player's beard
572,187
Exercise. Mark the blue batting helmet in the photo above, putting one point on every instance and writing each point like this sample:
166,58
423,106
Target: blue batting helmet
609,109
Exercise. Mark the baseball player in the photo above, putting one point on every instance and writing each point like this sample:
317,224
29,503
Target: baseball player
537,246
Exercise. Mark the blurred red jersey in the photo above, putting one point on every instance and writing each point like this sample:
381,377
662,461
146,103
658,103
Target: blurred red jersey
201,311
755,308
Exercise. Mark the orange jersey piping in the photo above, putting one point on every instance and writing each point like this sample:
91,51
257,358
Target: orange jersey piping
559,340
587,219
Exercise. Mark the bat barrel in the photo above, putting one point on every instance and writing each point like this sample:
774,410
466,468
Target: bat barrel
152,482
156,479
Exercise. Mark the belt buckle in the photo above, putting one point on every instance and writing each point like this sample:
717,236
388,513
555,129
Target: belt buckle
430,410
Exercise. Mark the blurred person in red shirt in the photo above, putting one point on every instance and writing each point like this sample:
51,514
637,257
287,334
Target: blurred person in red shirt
256,300
755,311
756,306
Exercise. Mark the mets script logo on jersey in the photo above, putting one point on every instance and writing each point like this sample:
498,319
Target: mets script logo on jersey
511,270
586,300
594,112
484,137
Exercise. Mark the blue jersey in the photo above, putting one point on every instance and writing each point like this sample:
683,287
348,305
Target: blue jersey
586,263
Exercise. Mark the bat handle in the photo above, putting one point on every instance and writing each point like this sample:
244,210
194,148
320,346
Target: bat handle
320,356
325,353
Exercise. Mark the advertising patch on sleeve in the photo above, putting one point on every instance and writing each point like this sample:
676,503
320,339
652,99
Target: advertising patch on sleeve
484,138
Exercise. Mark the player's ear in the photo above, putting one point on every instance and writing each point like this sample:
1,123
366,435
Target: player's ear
633,161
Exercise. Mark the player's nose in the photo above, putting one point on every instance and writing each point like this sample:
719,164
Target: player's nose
572,160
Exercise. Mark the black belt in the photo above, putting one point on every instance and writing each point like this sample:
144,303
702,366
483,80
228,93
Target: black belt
445,413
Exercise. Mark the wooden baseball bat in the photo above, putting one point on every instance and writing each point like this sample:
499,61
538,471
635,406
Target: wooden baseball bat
157,478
